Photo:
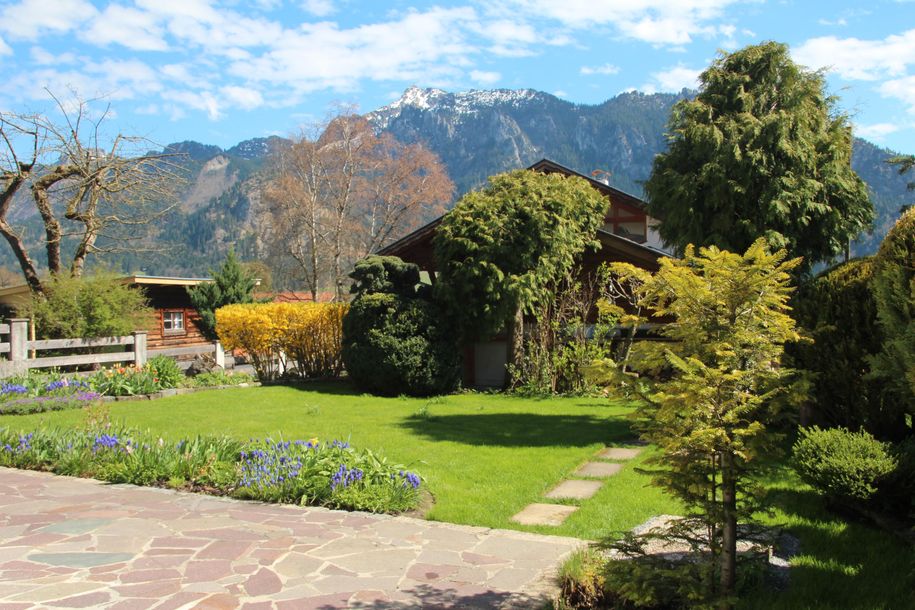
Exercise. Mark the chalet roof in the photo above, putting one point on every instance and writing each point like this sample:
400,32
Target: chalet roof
546,166
146,280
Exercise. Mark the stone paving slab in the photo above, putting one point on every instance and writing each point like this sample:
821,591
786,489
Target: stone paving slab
619,453
544,514
575,490
599,470
68,542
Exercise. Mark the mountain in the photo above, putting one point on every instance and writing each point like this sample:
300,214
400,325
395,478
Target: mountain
479,133
475,133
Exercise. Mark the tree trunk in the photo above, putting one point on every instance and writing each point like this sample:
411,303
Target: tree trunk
515,346
728,559
12,237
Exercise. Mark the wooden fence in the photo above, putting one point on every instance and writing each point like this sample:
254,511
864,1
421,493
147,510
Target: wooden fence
21,354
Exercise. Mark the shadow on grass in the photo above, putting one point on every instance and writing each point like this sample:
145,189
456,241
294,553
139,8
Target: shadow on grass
520,429
843,563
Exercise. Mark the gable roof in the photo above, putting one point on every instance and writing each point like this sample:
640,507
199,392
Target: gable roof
545,166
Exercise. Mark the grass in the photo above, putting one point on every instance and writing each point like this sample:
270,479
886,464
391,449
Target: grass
484,457
842,563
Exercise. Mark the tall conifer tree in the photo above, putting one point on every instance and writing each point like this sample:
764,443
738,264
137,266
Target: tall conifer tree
760,152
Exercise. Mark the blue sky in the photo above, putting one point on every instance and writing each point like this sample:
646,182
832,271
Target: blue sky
223,71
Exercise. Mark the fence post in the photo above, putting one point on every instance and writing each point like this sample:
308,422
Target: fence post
139,347
19,337
220,354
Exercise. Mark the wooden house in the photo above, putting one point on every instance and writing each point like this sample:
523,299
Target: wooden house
174,323
629,235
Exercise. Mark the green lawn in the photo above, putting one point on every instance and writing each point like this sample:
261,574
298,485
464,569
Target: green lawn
484,456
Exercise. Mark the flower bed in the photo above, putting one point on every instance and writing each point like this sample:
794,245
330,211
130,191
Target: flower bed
37,392
300,472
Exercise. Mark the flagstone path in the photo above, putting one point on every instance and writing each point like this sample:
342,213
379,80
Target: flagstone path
78,543
579,489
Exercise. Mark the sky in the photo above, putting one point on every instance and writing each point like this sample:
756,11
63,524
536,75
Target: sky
224,71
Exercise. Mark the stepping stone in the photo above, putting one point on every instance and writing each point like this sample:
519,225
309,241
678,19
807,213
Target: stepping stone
544,514
619,453
576,490
599,470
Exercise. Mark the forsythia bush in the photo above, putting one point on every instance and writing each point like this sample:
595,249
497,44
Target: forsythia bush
308,334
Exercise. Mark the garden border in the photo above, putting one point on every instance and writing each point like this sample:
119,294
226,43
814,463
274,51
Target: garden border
177,392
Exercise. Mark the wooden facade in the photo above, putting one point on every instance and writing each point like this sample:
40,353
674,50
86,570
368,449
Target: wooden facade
168,298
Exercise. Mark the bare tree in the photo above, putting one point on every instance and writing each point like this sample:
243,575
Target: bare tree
341,192
86,187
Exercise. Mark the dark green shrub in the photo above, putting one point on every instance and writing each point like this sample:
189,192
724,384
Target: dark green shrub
838,311
395,345
894,291
166,371
395,339
844,466
232,284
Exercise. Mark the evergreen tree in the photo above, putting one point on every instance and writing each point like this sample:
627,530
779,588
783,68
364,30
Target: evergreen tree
729,323
760,152
231,284
502,248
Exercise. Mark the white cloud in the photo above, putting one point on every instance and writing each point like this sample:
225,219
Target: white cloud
902,89
663,22
673,79
606,69
30,18
560,93
857,59
203,101
5,48
485,78
129,27
242,97
876,131
43,57
841,22
322,55
319,8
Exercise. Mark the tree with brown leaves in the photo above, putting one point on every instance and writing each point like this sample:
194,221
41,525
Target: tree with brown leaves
341,192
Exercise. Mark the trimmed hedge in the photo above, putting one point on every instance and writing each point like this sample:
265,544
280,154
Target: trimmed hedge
837,309
894,291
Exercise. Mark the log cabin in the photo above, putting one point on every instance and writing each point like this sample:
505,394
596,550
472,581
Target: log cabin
174,322
629,235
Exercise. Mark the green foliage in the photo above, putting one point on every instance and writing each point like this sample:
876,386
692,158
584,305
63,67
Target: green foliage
165,371
101,305
231,284
894,291
729,323
842,465
387,274
760,152
398,345
580,579
838,311
501,248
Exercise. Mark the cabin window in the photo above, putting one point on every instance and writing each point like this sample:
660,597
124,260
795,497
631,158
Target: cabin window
173,321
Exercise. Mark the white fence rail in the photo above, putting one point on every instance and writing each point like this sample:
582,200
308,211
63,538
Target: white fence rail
21,354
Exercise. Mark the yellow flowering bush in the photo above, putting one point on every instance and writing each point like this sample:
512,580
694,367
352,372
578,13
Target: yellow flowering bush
302,339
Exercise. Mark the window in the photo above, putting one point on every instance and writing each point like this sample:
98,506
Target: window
173,321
